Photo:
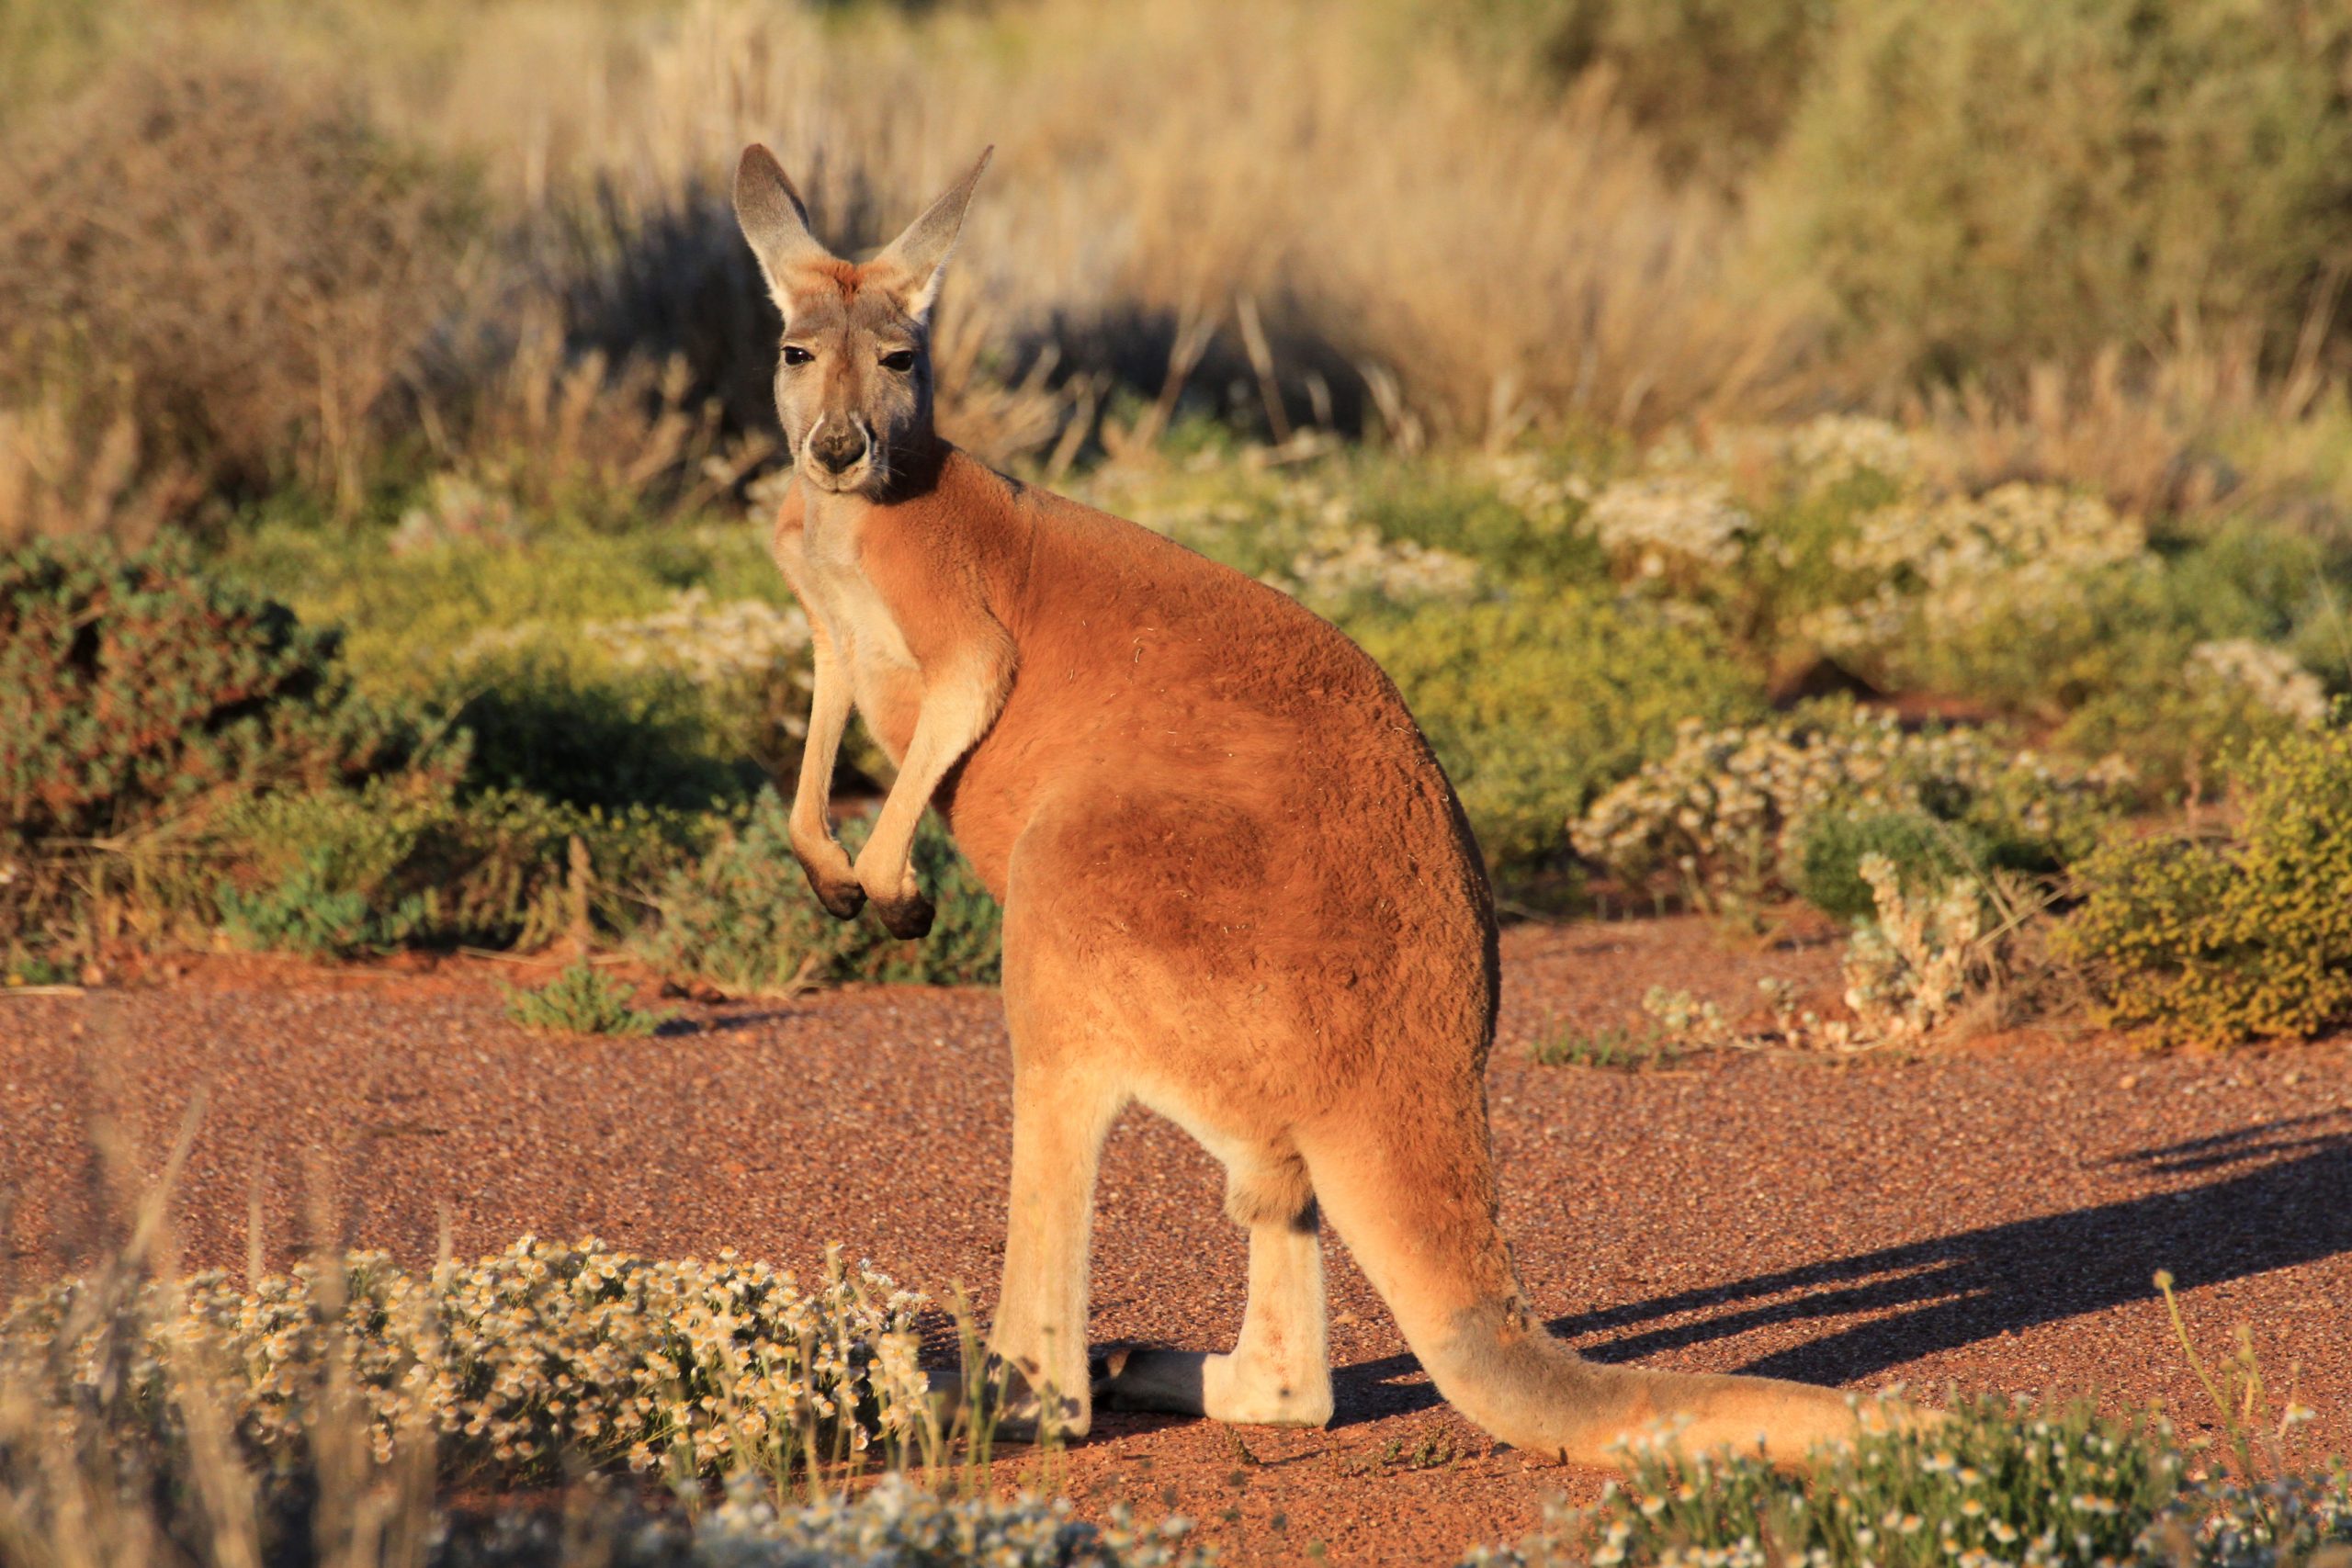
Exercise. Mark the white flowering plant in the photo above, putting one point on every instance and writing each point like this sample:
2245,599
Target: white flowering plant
509,1366
1997,1484
1729,808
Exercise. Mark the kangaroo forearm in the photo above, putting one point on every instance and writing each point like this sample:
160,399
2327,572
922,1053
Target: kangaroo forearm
956,714
827,717
959,705
812,792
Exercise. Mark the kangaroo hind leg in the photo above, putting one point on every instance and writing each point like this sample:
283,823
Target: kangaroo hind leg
1279,1371
1060,1117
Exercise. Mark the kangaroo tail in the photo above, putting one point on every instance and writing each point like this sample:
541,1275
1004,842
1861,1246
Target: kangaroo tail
1413,1197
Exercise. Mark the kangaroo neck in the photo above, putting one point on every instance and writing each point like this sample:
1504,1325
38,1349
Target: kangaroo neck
832,517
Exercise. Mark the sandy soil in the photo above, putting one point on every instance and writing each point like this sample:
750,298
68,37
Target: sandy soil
1987,1218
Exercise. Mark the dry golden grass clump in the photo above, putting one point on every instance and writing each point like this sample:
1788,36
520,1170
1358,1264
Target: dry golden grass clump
216,276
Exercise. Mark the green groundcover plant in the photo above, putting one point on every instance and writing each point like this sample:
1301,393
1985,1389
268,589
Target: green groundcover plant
580,1001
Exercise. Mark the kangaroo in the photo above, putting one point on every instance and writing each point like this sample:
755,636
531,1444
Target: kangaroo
1237,889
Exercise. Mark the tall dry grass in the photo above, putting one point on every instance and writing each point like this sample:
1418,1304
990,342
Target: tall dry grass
1374,215
1380,203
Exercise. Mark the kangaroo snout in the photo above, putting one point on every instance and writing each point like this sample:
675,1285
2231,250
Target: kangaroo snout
837,445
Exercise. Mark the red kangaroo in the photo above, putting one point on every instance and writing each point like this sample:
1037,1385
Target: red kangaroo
1236,888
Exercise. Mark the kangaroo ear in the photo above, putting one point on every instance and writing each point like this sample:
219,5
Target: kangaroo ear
773,219
918,258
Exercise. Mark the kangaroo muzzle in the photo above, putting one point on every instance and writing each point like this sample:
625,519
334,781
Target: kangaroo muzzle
838,445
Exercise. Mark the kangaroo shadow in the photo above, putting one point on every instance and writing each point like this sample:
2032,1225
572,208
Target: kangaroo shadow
2289,1202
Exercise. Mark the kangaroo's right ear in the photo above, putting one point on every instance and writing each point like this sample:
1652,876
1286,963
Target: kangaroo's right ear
773,219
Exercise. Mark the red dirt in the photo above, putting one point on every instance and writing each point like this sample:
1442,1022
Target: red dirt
1987,1217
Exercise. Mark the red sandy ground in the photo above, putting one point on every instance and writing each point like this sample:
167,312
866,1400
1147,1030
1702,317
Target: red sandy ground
1986,1217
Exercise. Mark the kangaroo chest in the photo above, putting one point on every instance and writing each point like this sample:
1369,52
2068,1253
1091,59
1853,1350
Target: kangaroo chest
881,668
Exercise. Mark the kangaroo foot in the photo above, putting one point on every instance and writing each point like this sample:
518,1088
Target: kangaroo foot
1234,1388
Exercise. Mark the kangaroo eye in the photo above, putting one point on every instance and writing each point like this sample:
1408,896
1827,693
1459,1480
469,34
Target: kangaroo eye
796,354
899,359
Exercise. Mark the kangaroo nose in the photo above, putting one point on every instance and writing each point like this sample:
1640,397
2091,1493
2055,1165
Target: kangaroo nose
839,446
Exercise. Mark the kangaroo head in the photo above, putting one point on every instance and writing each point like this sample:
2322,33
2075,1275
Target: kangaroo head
852,382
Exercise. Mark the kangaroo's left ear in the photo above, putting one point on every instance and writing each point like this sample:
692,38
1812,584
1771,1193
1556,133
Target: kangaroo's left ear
916,262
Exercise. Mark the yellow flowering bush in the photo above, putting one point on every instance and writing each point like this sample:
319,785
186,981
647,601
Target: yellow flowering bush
2192,939
514,1362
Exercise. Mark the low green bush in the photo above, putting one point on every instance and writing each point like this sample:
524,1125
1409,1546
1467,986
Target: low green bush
314,911
589,737
1997,1482
1518,516
580,1001
660,667
743,919
1537,704
1922,850
407,861
2192,939
137,688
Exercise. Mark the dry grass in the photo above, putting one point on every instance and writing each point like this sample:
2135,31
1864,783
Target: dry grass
216,269
1507,255
1296,214
2194,429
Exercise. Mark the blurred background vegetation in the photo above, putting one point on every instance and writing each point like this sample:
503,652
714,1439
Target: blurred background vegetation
1602,365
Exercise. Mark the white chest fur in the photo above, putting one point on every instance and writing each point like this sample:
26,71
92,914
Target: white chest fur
846,601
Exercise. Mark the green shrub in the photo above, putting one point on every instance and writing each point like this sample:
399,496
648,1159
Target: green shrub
408,860
1536,704
590,738
580,1001
743,919
1518,514
1795,805
1923,851
2195,941
311,911
1988,186
657,669
1997,1482
136,689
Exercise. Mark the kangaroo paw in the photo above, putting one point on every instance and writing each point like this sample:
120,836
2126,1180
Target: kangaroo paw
841,900
831,879
1131,1377
907,918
